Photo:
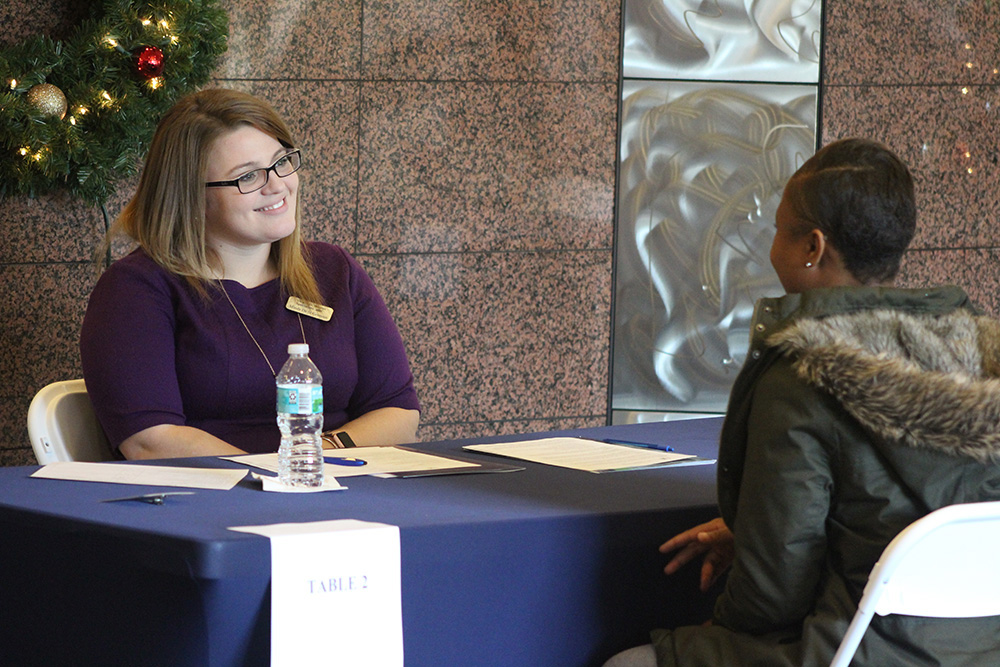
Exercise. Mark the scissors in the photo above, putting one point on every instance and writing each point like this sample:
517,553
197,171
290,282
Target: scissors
344,461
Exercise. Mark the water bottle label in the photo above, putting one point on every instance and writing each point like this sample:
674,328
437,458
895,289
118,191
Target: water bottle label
300,399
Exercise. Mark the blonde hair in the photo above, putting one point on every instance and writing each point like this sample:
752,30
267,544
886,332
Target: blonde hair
166,216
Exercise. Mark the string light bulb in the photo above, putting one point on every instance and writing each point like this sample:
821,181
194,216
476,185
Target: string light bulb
80,111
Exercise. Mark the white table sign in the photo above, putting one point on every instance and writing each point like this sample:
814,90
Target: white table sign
335,593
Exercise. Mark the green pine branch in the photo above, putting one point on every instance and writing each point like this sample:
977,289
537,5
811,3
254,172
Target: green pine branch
112,111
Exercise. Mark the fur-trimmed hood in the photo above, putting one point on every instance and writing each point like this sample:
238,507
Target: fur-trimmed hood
921,380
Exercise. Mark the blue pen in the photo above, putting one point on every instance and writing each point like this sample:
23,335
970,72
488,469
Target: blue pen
344,461
644,445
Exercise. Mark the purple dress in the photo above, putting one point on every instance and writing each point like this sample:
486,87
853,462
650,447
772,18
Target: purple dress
154,351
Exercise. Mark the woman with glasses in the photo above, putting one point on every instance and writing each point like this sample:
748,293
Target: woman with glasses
183,337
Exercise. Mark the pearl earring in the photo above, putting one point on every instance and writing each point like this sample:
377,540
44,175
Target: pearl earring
809,265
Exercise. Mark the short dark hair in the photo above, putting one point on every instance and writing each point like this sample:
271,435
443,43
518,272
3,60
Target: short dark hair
860,195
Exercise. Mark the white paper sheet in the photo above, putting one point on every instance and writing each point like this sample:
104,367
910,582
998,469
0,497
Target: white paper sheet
379,460
149,475
335,593
581,454
274,486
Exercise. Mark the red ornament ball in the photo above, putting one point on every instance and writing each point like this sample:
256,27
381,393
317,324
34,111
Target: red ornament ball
148,61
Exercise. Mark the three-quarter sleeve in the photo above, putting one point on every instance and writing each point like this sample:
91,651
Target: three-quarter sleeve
127,350
384,376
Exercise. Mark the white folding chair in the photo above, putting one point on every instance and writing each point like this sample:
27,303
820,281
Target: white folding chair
62,425
940,566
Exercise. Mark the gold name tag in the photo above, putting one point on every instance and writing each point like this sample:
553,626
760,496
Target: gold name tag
297,305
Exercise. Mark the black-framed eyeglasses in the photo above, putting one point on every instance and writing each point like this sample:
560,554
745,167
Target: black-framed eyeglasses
254,180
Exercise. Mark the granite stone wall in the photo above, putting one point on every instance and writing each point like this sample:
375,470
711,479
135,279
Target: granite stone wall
465,153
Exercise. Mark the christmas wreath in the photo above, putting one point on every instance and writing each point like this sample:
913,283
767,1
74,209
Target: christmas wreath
78,114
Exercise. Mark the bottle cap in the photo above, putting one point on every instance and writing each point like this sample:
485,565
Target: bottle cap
298,348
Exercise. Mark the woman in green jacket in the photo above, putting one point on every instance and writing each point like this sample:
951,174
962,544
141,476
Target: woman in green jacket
860,408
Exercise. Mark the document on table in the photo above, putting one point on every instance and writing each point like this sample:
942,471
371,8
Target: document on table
378,460
584,454
342,580
147,475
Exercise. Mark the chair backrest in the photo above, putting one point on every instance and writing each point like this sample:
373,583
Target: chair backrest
940,566
62,425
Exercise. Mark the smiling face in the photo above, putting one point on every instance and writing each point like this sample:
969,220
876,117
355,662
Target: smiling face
247,222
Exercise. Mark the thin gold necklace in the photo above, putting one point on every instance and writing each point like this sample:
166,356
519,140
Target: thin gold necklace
237,311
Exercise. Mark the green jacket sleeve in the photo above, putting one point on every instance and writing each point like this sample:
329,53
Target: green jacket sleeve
784,498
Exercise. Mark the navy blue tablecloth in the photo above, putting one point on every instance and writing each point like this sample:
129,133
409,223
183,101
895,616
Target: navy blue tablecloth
546,566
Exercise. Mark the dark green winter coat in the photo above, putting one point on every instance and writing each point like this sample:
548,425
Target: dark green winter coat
858,411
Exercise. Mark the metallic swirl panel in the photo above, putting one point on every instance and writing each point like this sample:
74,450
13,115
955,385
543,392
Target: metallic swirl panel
734,40
702,169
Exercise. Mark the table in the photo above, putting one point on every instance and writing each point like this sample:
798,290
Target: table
546,566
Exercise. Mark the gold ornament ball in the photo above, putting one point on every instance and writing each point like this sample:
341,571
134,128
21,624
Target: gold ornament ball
48,99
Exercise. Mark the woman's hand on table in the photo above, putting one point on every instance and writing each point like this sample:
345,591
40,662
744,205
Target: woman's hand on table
714,539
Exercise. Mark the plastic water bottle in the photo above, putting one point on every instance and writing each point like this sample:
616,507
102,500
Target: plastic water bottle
300,419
